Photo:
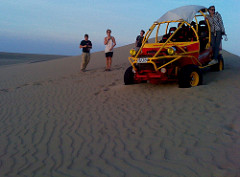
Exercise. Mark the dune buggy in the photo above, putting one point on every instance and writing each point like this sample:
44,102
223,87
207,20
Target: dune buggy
178,51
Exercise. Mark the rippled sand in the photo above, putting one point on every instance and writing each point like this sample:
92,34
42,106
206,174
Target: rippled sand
56,121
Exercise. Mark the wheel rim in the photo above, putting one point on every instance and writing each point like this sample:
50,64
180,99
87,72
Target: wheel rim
194,79
220,65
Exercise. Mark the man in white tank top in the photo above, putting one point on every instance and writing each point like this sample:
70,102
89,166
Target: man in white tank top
110,43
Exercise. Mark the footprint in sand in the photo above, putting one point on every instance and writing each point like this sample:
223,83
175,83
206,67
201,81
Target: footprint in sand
36,83
63,78
4,90
112,84
21,86
16,88
78,81
96,93
50,81
106,89
119,68
24,85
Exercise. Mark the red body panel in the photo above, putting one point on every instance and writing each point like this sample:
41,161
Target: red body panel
190,56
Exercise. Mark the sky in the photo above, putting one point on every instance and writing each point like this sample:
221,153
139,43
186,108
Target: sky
58,26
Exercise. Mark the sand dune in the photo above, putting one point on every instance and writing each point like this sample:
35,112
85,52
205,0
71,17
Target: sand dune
56,121
17,58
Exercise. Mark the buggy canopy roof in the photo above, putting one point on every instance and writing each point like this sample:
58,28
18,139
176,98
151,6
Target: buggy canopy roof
185,13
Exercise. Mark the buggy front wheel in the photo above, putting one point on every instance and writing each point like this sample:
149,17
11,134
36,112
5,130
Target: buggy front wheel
129,76
190,76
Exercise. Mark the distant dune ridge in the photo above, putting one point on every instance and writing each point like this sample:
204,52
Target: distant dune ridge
16,58
57,121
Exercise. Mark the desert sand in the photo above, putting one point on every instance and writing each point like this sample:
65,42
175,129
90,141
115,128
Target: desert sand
57,121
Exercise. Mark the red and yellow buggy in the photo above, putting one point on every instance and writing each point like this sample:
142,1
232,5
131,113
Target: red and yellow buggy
178,54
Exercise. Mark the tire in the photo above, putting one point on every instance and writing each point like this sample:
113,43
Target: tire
129,76
190,76
220,65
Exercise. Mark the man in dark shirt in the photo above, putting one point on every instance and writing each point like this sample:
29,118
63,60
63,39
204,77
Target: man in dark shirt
139,39
85,45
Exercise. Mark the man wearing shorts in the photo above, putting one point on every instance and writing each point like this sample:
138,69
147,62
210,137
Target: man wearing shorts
110,42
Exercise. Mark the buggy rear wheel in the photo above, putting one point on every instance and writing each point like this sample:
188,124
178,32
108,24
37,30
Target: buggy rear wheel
220,65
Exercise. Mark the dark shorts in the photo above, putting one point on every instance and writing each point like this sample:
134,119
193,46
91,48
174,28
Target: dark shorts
109,54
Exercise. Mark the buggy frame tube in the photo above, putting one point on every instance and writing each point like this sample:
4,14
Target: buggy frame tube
175,57
146,38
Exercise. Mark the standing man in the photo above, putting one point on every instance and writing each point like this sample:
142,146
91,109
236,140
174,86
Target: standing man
217,30
139,39
110,43
85,45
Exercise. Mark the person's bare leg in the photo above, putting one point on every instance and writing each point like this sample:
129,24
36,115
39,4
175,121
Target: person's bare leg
106,63
110,62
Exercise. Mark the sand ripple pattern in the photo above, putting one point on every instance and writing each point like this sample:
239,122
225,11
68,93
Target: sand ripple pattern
91,125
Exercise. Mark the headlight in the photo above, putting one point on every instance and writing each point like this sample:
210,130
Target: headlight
133,52
171,50
163,70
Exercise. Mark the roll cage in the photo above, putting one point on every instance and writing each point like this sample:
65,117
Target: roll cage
183,48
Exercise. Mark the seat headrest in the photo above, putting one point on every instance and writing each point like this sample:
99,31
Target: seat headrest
203,23
172,29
